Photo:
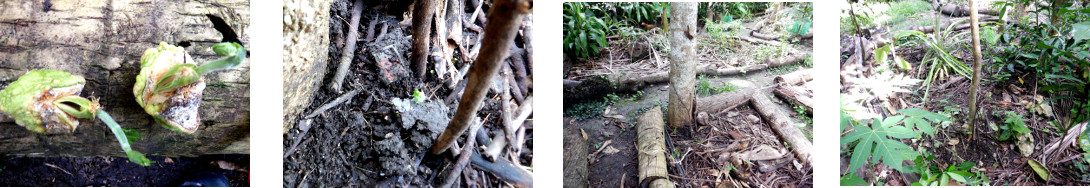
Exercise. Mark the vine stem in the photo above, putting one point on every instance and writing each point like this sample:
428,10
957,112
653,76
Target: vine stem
134,156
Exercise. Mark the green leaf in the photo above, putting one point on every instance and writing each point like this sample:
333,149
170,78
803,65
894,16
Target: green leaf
418,96
959,176
860,153
851,179
880,54
1039,169
1081,31
892,120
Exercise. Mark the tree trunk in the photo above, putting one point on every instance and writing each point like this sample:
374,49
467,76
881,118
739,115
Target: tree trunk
651,149
103,42
306,52
682,64
973,108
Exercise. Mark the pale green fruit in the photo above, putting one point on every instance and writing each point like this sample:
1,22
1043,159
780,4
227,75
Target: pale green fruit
174,108
36,99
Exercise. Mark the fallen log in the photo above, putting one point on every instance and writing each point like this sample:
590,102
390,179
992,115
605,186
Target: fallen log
597,86
783,126
575,158
795,78
795,96
651,149
724,101
763,36
103,42
306,53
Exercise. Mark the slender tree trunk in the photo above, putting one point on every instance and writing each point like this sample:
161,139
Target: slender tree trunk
682,64
973,108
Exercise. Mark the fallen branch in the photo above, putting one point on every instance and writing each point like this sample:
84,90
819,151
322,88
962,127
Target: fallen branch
334,103
463,159
783,126
349,47
505,170
499,32
796,78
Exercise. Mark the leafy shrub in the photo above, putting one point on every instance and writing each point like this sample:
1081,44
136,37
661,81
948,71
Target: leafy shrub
940,45
1013,125
635,13
584,29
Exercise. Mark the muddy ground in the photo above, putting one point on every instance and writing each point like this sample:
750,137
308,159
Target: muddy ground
378,138
115,171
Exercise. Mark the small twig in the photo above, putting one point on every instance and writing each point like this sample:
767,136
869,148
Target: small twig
334,103
304,127
505,170
382,32
304,180
463,159
59,168
349,47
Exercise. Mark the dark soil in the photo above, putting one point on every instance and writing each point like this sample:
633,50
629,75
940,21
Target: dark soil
115,171
369,141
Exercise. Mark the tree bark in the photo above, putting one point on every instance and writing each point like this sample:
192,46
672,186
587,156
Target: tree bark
306,53
103,42
575,158
783,126
499,32
682,64
651,149
973,107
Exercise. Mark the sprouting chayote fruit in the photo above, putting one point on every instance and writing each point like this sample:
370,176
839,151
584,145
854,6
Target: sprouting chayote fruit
47,101
169,86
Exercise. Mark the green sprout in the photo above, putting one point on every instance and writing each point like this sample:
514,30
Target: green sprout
48,101
418,96
169,75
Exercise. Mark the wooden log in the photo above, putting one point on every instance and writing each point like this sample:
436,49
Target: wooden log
796,78
306,51
103,42
783,126
724,101
651,149
575,158
796,96
595,87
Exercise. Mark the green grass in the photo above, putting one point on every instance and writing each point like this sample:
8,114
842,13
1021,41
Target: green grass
704,87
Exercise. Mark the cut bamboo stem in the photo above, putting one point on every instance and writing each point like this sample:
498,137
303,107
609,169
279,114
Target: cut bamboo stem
652,149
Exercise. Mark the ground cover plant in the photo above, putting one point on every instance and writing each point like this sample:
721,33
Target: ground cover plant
741,49
1029,109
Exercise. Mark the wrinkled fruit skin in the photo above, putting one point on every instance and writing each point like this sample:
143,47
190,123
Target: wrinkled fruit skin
29,100
175,109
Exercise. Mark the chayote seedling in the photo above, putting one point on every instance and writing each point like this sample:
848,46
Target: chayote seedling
169,86
48,101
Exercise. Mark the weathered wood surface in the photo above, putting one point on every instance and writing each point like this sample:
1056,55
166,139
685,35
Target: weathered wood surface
306,52
783,126
103,41
651,144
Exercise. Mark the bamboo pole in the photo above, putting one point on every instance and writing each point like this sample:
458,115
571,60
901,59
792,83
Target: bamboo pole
652,150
